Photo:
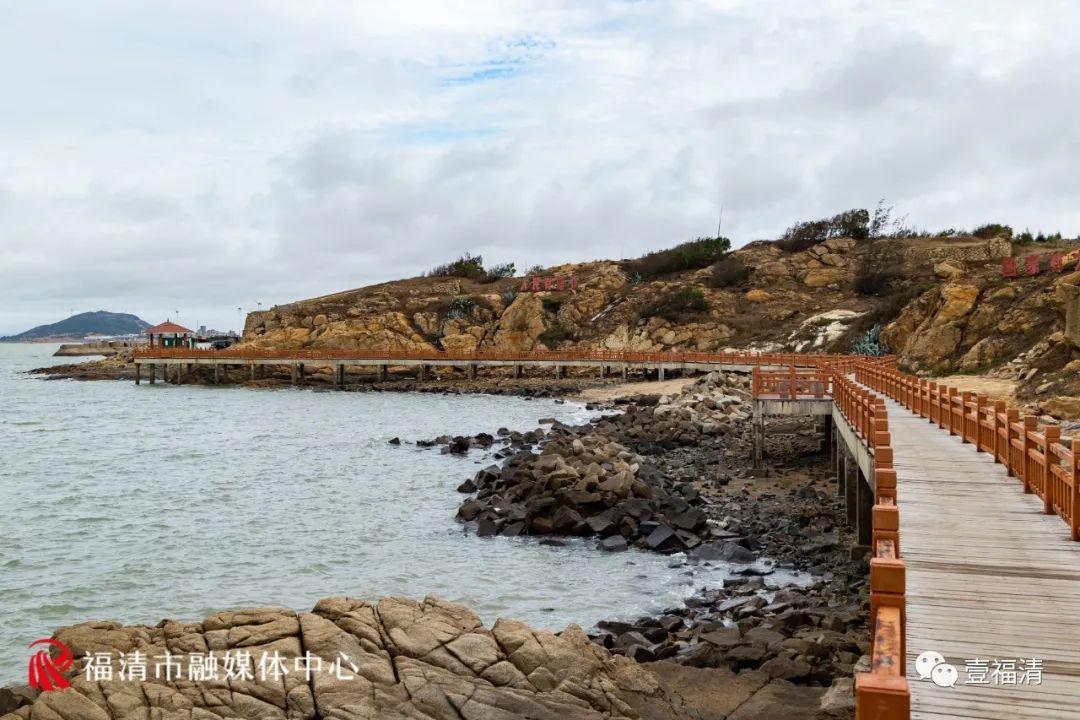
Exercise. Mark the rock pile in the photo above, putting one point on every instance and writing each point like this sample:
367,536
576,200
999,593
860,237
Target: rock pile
790,633
584,483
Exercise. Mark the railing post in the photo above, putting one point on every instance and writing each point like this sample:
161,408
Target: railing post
1030,423
1000,417
1074,491
1051,435
980,403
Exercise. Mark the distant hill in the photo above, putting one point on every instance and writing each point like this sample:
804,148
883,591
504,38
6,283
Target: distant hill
83,324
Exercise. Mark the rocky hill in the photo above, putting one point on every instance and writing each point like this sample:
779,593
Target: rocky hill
77,327
941,303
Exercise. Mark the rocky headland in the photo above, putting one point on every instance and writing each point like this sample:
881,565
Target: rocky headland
939,302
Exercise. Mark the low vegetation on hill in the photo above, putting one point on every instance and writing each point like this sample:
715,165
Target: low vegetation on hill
856,280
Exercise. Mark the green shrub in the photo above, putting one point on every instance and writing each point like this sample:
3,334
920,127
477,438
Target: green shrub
553,335
460,307
535,270
677,304
729,271
879,268
875,281
498,272
870,343
509,295
801,236
467,266
692,255
992,230
551,304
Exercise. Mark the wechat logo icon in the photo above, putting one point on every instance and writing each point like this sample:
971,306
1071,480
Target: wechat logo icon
932,666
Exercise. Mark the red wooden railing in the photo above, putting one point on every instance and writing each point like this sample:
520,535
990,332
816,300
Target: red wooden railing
586,355
1037,456
882,693
791,384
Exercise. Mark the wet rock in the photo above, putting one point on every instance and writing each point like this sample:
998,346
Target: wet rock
613,543
458,446
725,551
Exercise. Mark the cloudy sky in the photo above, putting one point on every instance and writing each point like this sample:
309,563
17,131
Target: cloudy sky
207,156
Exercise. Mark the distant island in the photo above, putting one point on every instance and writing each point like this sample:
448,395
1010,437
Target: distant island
82,327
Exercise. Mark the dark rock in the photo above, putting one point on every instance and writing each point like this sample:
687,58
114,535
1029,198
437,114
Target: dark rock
394,441
565,520
458,446
723,638
603,523
662,539
467,487
725,551
470,509
613,543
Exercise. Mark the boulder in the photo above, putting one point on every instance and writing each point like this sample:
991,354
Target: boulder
1067,291
948,269
613,543
822,277
1063,407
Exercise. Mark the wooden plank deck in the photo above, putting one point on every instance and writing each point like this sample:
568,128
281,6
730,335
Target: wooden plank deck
988,576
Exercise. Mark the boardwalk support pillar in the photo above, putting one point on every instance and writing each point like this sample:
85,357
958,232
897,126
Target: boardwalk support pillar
153,372
339,373
851,479
864,510
470,371
758,429
217,374
517,372
302,371
560,371
384,372
138,371
252,371
295,373
625,371
660,373
421,372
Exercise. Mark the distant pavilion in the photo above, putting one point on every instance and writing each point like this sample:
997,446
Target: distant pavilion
171,335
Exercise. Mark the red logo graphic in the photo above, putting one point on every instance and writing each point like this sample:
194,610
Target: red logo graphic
47,672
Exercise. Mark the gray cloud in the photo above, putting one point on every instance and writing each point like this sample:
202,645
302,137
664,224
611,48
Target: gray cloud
205,157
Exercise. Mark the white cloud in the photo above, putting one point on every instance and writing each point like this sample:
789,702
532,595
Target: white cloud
207,155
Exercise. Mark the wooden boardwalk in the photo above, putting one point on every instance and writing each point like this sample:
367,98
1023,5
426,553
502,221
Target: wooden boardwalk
989,576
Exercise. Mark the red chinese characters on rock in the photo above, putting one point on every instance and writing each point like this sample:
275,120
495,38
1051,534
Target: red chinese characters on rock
1008,267
549,283
1033,264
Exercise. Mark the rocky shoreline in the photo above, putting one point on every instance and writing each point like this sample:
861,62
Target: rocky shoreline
671,474
668,474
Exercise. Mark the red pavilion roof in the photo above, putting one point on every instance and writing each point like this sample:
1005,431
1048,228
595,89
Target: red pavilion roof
168,328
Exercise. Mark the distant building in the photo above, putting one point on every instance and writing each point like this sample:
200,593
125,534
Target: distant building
170,335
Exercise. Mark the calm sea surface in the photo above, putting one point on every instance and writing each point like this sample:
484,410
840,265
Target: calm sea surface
135,504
